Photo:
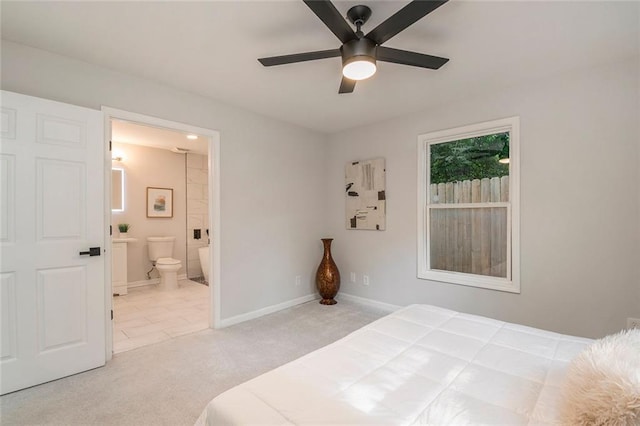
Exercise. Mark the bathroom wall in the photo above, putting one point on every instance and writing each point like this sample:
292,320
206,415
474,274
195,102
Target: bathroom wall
197,210
150,167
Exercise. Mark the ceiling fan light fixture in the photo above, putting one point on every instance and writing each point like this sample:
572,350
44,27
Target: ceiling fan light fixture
358,59
359,68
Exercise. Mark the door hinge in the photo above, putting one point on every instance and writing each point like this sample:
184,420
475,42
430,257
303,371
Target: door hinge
112,315
110,229
109,146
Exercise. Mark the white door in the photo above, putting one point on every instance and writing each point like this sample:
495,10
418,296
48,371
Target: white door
52,306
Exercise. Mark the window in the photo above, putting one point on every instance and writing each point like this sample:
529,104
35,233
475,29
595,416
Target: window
468,205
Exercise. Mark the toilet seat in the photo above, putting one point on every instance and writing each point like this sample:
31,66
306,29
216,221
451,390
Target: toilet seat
167,261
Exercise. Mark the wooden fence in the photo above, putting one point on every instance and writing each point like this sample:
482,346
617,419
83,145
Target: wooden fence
467,238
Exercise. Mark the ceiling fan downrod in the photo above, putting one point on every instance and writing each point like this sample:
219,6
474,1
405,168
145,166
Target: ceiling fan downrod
358,16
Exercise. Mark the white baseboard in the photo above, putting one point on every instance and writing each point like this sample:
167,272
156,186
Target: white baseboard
226,322
152,281
142,283
387,307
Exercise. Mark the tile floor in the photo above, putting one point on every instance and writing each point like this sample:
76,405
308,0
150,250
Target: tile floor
149,315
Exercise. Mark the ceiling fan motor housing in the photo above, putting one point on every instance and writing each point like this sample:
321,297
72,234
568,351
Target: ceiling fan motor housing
360,49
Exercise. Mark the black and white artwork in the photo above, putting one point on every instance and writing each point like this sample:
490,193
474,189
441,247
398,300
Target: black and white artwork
365,194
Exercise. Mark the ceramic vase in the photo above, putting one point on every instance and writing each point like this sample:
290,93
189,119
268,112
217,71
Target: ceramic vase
328,276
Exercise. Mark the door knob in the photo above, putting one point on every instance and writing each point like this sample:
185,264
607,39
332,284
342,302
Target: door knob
93,251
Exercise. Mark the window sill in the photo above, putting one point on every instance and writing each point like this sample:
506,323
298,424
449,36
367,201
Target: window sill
471,280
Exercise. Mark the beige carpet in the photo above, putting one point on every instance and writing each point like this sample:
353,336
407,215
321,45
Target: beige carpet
170,383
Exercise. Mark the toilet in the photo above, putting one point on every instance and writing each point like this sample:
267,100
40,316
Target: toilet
160,251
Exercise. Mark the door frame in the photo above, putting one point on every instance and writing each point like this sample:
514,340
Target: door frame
214,207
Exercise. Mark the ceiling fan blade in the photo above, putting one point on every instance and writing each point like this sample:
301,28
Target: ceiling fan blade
403,18
299,57
404,57
347,85
327,12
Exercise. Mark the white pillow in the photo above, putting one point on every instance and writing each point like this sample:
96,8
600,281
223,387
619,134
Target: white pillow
602,386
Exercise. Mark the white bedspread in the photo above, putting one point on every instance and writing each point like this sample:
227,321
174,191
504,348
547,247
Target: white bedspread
419,365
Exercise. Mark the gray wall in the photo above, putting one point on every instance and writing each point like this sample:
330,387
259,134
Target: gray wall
580,216
271,177
282,189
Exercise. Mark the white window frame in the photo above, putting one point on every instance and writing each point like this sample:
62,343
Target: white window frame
512,282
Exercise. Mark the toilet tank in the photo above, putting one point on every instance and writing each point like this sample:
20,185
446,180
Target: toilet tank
160,247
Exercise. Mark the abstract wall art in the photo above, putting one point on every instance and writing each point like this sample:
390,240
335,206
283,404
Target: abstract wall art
365,194
159,202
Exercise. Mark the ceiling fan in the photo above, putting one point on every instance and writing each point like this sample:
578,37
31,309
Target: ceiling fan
360,52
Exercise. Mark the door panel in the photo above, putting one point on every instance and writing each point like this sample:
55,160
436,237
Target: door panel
60,209
7,123
9,323
62,300
7,203
60,131
52,207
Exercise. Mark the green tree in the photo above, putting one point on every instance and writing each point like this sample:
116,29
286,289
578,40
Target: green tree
468,159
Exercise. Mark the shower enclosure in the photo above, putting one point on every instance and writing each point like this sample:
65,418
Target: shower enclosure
197,212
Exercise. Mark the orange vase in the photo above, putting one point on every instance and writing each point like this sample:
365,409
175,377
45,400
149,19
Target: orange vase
328,276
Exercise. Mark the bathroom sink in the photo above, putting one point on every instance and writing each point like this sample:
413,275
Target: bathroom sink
124,240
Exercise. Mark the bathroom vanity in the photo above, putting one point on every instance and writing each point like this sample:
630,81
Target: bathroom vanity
119,264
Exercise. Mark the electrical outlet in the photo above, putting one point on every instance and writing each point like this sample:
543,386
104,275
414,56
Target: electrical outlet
365,279
353,277
298,280
633,323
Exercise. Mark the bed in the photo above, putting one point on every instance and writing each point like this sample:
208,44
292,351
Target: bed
419,365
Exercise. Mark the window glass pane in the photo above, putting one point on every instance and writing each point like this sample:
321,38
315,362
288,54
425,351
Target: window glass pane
469,240
487,190
472,163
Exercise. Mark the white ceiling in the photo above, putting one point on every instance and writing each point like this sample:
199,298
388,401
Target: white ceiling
156,137
210,48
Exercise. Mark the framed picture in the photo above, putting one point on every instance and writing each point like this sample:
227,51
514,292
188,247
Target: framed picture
366,200
159,202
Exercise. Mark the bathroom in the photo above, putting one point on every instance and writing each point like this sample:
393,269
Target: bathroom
160,189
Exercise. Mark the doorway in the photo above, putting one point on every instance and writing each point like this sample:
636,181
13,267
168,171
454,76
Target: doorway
189,235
